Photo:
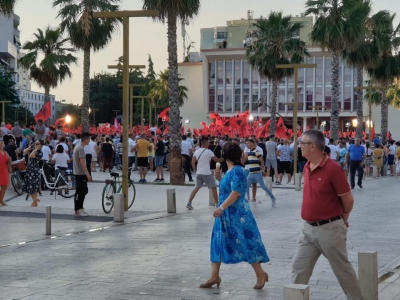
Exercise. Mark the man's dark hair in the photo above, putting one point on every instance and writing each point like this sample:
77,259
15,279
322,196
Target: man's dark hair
93,137
272,136
78,135
184,137
331,141
107,139
188,134
62,139
85,136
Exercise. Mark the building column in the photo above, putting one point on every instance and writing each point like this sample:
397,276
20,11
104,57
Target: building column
304,123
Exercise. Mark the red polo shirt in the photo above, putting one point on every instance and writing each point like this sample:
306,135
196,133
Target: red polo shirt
323,188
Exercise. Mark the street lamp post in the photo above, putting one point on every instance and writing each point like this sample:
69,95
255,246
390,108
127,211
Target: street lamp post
369,88
4,109
317,109
296,68
15,114
125,15
94,114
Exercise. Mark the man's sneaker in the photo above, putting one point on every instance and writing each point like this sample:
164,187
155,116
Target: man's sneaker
83,211
162,180
157,180
189,205
144,181
80,213
277,183
273,201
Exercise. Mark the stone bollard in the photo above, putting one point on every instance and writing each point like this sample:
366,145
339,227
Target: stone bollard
368,274
211,201
268,182
118,207
48,220
297,182
374,171
296,292
384,170
171,201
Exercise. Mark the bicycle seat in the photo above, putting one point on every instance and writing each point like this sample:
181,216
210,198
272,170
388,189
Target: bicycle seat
114,174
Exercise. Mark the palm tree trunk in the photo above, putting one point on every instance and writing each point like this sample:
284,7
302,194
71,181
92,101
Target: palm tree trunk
86,89
335,96
384,114
46,96
177,176
275,86
360,113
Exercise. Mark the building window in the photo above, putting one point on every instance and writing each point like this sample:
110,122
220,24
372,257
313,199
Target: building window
222,35
211,100
238,84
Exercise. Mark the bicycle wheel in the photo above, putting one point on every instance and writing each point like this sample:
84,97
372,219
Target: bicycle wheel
17,184
108,197
131,193
66,186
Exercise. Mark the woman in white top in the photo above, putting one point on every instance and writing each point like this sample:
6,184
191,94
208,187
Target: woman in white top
60,159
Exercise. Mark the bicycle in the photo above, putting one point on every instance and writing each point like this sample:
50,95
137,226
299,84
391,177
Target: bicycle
64,183
111,188
16,179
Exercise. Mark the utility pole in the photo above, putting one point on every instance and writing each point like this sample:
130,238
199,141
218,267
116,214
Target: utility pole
94,114
15,114
125,15
317,109
3,103
296,68
369,89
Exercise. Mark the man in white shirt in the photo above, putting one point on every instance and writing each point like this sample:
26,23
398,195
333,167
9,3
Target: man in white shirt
62,143
89,152
131,153
4,129
189,138
202,157
334,149
391,153
186,148
46,158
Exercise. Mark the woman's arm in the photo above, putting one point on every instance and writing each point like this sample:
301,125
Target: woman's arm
233,196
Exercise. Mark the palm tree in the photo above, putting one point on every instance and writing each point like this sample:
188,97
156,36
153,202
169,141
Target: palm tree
159,90
393,94
387,69
276,42
7,6
368,50
170,11
57,57
87,33
337,29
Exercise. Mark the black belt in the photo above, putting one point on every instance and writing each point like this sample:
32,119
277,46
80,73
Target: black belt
323,222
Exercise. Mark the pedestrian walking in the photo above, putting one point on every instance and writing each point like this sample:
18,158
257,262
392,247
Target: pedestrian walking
82,175
186,149
16,131
32,176
107,150
235,236
326,207
5,170
201,165
355,158
271,160
255,165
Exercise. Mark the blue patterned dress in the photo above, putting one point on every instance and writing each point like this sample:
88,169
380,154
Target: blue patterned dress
235,236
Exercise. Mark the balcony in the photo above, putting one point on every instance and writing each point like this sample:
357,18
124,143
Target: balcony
8,50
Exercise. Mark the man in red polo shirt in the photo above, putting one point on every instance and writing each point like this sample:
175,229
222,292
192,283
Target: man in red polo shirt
327,203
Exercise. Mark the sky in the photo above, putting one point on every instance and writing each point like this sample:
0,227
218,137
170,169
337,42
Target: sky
148,37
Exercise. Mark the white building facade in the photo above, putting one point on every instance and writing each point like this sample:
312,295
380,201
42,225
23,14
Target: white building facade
34,101
229,85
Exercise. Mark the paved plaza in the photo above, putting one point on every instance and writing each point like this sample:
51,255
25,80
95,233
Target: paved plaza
156,255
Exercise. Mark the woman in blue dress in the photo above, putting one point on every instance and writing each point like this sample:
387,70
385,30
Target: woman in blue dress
235,236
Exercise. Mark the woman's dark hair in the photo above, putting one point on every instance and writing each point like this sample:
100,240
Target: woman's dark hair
60,149
232,152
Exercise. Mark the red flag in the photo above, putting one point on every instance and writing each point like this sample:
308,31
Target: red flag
372,134
59,121
164,115
44,113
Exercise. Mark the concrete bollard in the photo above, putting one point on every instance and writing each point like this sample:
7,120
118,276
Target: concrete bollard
118,207
171,201
211,201
268,182
297,182
374,171
296,292
368,274
48,220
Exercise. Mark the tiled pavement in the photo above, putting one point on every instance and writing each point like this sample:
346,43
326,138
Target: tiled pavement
167,258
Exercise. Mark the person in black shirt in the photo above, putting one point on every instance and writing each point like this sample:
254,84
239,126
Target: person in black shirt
107,150
217,150
11,149
159,159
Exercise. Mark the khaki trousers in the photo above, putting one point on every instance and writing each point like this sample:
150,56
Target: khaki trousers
329,240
